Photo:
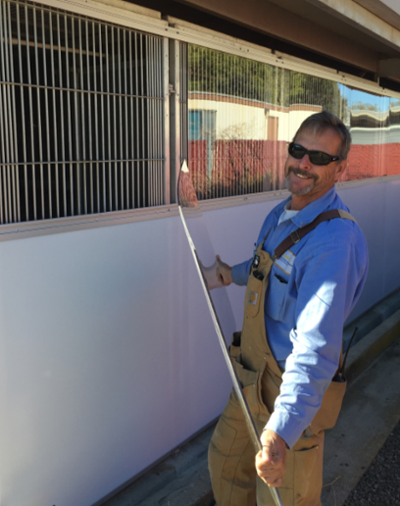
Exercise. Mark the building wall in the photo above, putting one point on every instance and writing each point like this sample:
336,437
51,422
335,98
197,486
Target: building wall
108,355
250,119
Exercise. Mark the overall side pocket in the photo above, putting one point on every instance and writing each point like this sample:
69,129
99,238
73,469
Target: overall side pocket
250,381
331,405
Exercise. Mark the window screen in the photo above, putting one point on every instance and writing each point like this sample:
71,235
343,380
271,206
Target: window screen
81,115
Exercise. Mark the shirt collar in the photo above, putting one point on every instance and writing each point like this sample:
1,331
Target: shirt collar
310,212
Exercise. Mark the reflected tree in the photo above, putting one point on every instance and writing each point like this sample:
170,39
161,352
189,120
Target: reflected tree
211,71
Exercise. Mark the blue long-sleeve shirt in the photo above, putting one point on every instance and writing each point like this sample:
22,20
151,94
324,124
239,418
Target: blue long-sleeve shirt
312,290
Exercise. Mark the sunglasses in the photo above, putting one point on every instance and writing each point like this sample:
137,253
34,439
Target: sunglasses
316,157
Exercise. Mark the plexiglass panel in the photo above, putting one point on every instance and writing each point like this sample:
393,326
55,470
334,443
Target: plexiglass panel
375,126
242,114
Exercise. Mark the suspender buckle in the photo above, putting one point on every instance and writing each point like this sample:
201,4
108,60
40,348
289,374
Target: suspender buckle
256,261
295,236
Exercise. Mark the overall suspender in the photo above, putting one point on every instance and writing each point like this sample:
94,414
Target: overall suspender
299,233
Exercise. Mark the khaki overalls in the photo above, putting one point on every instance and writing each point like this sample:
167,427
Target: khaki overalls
231,452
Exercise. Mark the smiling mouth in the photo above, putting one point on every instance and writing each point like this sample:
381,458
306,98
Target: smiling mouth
301,174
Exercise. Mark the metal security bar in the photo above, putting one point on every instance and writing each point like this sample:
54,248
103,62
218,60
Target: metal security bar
183,100
81,115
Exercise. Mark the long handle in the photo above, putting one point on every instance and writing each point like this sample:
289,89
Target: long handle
236,385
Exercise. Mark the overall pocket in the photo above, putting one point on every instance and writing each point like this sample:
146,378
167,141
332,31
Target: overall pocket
328,413
307,479
275,303
250,381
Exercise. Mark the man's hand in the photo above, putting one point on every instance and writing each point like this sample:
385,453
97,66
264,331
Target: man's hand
223,272
270,462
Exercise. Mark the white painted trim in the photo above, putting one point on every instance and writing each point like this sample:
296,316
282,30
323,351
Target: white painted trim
190,33
69,224
255,198
61,225
366,182
115,11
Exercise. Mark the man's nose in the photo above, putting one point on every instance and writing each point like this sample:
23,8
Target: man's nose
305,163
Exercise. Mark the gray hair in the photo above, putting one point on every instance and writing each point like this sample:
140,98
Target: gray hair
324,120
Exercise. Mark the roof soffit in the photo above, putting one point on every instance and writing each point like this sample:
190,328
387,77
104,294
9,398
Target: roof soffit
348,19
388,10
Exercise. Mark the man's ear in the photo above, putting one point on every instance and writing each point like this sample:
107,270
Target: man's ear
341,168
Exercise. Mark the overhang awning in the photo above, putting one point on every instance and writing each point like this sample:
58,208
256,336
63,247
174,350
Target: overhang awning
361,33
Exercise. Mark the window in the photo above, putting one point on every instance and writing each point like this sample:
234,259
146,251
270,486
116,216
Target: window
81,115
84,120
257,109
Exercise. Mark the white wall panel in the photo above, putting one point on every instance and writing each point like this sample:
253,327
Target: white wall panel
376,208
108,358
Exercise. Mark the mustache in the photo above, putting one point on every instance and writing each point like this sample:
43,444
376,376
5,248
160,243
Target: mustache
302,172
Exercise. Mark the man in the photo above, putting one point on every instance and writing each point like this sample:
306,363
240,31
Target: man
286,363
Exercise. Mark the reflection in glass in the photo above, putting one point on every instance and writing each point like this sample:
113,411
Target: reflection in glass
242,114
374,125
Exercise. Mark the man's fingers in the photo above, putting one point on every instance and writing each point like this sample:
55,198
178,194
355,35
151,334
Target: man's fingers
223,272
218,270
276,483
269,457
271,477
270,461
270,454
266,463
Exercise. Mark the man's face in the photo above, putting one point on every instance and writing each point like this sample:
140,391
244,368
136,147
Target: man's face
306,181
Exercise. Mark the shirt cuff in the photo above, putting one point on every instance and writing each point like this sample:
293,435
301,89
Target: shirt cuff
240,273
236,274
286,427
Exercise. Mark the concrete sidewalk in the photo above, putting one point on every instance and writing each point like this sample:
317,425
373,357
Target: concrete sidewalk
371,410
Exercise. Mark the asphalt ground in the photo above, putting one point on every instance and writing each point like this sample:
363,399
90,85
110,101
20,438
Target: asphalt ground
380,485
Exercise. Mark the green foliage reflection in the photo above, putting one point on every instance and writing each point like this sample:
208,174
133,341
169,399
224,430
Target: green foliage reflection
219,73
